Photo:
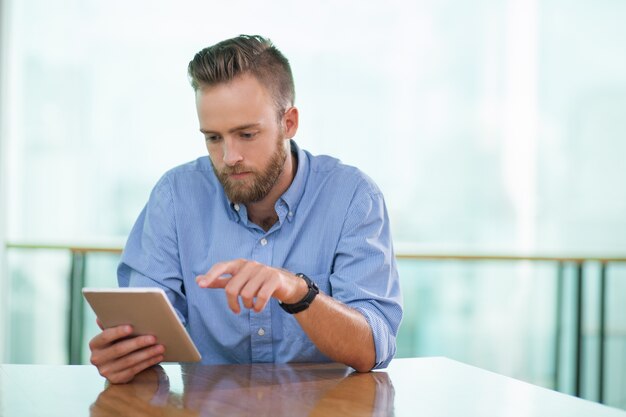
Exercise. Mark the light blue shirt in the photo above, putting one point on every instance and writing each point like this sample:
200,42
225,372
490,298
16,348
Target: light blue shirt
332,226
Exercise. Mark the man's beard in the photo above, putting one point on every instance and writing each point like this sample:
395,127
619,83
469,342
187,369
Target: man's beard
251,190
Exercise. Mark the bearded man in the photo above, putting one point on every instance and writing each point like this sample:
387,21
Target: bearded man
267,253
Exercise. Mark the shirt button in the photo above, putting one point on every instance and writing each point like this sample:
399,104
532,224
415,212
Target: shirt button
290,213
261,332
236,206
263,242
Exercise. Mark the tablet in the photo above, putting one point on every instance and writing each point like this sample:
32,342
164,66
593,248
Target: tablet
149,311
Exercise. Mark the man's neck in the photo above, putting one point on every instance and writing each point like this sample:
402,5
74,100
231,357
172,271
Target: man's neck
263,212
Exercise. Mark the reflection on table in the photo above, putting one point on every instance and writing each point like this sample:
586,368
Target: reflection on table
424,387
261,389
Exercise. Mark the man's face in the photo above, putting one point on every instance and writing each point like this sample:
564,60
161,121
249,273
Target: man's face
246,143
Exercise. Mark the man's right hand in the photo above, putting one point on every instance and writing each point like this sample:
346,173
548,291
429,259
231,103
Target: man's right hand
119,357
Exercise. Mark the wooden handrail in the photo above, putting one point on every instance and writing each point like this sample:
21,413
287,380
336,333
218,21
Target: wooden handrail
510,257
75,248
404,255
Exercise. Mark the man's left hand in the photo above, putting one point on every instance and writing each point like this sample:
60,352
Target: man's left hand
254,282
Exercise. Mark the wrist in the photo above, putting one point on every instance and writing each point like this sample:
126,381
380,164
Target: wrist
301,290
304,302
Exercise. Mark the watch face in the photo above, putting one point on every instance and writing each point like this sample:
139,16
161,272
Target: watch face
309,281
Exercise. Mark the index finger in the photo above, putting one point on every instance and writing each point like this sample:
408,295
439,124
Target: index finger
217,271
110,335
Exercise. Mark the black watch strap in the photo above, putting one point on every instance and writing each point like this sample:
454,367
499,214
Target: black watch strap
306,301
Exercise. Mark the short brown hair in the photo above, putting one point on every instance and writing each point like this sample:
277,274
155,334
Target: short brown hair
244,54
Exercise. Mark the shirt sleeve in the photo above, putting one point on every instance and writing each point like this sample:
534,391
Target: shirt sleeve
150,257
365,275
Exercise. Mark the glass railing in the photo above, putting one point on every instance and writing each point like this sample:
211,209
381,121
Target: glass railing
554,320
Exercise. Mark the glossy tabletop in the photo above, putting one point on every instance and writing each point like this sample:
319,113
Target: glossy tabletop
421,387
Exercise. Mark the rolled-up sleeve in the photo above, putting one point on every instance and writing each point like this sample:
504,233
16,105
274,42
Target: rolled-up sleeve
365,275
150,257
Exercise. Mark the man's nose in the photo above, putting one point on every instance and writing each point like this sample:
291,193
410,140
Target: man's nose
232,152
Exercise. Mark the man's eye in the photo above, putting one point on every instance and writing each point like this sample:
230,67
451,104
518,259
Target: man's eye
212,138
248,135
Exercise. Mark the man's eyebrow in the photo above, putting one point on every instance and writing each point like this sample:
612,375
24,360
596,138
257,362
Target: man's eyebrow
234,129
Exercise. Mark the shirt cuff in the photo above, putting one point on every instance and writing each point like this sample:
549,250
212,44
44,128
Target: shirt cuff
384,340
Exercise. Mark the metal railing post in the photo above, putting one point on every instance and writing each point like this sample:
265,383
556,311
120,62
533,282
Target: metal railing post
602,331
578,330
75,320
559,323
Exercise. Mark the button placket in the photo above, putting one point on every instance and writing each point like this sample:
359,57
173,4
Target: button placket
261,323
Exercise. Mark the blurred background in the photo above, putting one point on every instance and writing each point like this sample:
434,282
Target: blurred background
495,128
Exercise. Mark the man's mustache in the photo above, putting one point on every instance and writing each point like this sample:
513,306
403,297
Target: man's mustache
237,169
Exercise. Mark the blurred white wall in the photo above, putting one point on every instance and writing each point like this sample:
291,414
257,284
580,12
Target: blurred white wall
489,126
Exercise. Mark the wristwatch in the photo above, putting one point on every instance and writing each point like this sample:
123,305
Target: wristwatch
306,301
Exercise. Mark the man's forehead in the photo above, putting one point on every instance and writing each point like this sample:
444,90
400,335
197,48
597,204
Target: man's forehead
233,105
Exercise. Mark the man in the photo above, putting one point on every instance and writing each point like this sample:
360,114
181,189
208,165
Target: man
302,243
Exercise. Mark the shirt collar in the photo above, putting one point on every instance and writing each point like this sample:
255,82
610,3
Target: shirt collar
237,212
294,193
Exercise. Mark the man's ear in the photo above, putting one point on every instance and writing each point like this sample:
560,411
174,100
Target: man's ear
290,122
